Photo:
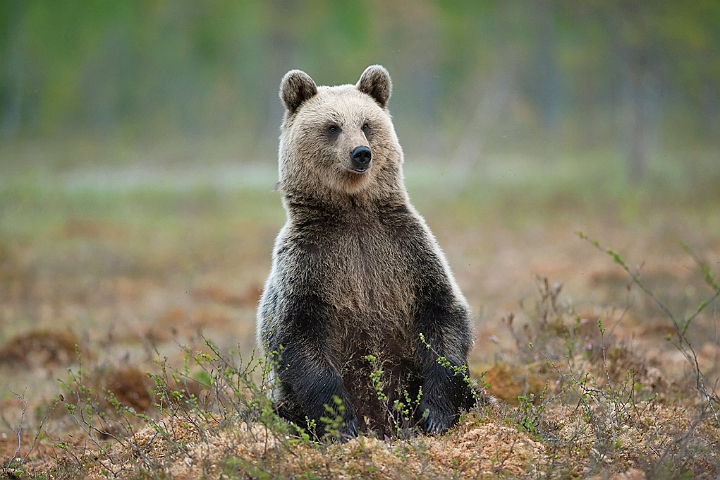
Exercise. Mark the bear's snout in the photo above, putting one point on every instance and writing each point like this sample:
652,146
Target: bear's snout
360,158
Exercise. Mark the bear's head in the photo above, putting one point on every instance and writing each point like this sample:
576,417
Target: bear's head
339,140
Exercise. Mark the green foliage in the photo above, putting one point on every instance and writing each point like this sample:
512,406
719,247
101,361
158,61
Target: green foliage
136,70
333,421
601,412
593,413
530,413
402,411
458,371
609,387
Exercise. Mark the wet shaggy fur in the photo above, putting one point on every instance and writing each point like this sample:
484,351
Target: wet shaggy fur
357,272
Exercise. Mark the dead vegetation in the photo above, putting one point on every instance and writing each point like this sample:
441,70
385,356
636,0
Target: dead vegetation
41,348
604,368
578,402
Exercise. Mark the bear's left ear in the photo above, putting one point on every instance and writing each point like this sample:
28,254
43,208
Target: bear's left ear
375,81
295,88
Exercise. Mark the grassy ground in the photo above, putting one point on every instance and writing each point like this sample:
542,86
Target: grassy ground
143,282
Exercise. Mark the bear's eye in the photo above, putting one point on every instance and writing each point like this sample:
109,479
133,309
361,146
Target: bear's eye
366,128
333,130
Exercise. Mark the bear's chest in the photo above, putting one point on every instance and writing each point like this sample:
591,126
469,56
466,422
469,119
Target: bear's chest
370,287
370,273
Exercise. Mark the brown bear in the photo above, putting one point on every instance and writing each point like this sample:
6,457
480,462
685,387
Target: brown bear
360,310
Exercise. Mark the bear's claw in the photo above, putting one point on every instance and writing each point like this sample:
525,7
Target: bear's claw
350,430
435,421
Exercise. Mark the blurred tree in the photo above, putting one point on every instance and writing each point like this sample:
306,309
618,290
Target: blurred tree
11,89
485,76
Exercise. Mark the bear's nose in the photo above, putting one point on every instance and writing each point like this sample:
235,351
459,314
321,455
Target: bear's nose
360,157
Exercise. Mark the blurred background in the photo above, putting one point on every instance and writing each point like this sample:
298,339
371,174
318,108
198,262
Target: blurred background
138,154
138,139
632,85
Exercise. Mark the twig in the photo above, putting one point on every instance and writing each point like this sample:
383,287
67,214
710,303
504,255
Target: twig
19,429
683,344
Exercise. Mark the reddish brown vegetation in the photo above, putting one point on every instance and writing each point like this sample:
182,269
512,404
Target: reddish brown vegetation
580,402
42,348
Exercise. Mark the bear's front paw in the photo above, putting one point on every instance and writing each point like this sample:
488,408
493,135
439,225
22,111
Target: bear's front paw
349,430
435,420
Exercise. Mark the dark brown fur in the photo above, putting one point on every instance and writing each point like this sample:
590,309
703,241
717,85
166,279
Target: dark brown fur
356,271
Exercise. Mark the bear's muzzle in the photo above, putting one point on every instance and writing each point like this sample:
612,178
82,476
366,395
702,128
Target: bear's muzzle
360,158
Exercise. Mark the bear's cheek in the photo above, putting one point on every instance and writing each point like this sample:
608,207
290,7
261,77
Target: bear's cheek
332,157
328,165
311,151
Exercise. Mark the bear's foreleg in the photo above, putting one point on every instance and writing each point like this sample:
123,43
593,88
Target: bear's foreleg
310,384
443,333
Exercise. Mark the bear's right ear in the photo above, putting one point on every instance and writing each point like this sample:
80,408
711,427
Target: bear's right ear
295,88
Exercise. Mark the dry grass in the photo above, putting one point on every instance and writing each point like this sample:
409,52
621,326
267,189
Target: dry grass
141,303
